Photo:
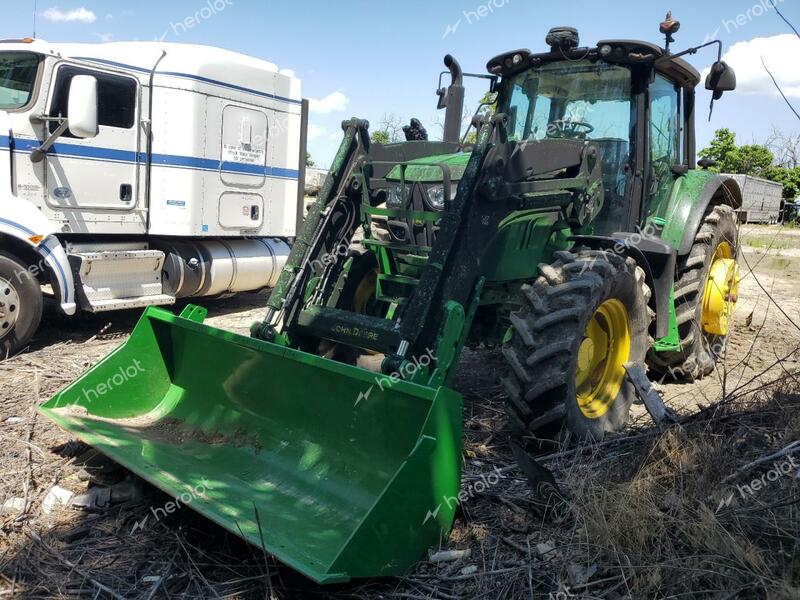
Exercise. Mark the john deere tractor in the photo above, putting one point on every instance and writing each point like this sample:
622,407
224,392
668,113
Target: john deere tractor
575,233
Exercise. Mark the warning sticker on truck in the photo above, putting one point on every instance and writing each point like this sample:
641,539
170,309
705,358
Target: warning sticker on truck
243,154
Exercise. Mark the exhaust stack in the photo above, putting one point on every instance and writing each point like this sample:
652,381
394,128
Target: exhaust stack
452,98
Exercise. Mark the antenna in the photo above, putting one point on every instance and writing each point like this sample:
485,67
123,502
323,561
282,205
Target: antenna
34,18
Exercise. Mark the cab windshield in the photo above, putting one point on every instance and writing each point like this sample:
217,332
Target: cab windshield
580,100
17,78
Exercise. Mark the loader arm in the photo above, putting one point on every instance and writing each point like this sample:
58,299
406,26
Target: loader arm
300,309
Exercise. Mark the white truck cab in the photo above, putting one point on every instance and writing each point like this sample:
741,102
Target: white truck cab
137,173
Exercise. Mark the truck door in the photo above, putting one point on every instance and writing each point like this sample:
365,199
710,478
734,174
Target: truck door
100,174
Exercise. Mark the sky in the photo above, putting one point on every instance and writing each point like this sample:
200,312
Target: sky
370,59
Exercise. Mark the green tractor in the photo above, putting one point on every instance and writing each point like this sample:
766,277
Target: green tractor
575,234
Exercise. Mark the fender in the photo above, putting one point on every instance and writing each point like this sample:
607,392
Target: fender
22,221
656,258
691,196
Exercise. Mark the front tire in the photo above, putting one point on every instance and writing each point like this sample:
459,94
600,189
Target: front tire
20,305
585,317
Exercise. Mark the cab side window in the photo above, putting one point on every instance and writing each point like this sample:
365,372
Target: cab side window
116,98
665,131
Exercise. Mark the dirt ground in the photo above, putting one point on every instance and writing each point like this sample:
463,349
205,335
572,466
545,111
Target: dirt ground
70,553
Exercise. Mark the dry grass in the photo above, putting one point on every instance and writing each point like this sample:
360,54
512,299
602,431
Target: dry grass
643,522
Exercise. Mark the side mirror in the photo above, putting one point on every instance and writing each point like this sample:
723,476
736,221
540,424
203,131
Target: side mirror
721,79
82,106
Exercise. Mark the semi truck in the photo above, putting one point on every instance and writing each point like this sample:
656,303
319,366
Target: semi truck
137,173
762,199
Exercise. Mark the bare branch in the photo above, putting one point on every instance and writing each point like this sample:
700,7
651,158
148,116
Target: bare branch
785,20
780,91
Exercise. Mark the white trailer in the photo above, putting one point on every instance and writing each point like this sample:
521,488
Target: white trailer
761,199
134,174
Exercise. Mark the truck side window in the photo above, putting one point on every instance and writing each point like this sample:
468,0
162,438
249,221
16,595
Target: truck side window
116,98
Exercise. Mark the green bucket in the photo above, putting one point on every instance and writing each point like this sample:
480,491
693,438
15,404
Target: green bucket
336,471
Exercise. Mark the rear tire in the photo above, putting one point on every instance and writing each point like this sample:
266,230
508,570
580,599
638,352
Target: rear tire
20,305
555,375
699,349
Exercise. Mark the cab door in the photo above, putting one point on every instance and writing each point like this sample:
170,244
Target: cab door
96,179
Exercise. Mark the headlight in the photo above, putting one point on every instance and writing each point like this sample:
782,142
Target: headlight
394,195
436,195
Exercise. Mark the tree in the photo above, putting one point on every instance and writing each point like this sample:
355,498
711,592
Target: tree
785,147
380,136
789,178
751,159
756,160
392,125
721,149
309,161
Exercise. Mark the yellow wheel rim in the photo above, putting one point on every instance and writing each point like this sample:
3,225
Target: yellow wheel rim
720,291
365,292
605,349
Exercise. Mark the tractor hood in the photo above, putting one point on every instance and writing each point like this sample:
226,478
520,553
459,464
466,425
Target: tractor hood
430,169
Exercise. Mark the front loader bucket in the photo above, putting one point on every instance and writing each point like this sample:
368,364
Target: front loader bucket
336,471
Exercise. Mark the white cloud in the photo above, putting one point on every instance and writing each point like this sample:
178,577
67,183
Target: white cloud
81,14
780,54
333,102
315,131
105,37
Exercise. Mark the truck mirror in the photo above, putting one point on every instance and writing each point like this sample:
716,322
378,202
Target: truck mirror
721,79
82,106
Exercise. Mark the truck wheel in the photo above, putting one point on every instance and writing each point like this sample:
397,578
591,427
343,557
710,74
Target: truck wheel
585,317
705,296
20,305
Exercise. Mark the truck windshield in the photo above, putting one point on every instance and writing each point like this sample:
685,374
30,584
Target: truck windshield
17,78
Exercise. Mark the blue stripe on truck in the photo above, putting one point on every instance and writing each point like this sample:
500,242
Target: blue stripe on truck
164,160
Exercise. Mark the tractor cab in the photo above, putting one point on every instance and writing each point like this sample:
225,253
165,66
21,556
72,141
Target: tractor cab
633,99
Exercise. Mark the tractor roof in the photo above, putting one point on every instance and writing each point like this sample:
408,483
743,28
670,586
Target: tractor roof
676,68
628,52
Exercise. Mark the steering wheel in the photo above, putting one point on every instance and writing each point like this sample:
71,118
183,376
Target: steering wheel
563,128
